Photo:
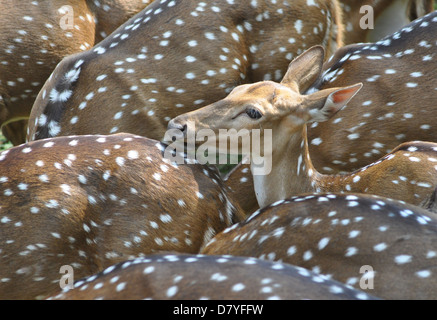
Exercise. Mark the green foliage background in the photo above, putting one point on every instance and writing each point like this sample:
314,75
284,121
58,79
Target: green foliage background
4,144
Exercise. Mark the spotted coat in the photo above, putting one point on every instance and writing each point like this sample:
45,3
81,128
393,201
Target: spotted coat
92,201
177,56
337,235
200,277
38,35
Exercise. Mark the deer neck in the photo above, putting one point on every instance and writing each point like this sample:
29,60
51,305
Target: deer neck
292,172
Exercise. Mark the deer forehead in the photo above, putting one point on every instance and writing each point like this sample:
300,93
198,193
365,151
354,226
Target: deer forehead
263,93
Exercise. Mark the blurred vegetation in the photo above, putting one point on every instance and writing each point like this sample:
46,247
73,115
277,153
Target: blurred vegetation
4,143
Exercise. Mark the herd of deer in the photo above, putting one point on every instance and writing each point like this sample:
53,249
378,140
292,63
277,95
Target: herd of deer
87,185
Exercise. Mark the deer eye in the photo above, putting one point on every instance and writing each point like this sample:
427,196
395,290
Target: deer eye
253,113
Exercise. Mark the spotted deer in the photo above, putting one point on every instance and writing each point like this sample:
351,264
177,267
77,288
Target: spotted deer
382,115
383,247
395,105
200,277
176,56
38,35
92,201
408,173
387,16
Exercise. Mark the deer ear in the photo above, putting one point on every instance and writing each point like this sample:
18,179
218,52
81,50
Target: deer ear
324,104
305,69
